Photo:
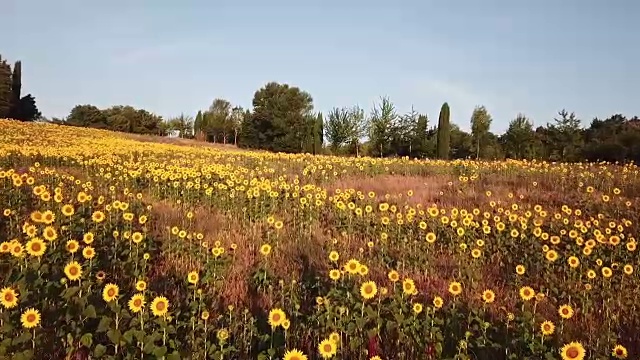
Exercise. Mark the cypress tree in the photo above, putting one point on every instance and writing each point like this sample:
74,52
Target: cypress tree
444,133
16,87
5,89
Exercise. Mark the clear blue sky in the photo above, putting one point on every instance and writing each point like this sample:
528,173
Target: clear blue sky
172,56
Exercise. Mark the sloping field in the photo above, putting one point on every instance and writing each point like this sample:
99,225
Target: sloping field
122,248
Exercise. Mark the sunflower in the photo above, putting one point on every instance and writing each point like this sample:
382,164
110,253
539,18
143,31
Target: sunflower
408,286
160,306
628,269
327,348
8,298
619,352
67,210
88,238
547,328
36,247
100,275
205,315
88,252
276,317
520,269
72,246
136,303
222,334
393,276
573,261
352,266
73,271
97,216
488,296
141,285
285,324
334,274
438,302
455,288
417,308
527,293
565,311
137,237
110,292
30,318
368,290
335,337
606,271
572,351
334,256
294,354
5,247
265,249
50,233
193,277
551,255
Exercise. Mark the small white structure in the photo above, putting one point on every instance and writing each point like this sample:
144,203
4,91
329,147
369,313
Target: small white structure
173,134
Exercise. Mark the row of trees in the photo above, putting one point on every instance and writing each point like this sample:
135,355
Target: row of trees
12,104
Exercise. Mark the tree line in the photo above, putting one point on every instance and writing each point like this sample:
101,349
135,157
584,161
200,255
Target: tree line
282,118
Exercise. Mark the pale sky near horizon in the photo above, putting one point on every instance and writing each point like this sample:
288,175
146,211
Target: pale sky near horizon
172,57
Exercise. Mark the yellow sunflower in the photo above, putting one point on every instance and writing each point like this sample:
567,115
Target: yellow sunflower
36,247
8,298
488,296
619,352
527,293
547,328
294,354
455,288
265,249
408,286
565,311
110,292
327,348
30,318
368,290
572,351
276,317
334,274
141,285
160,306
136,303
88,252
73,271
193,277
50,233
72,246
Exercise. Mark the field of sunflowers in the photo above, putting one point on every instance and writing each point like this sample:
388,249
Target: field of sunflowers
121,248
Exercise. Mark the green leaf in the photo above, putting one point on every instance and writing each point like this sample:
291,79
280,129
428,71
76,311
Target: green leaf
174,356
148,347
25,355
24,337
128,336
160,351
104,324
114,335
70,292
99,351
89,312
87,340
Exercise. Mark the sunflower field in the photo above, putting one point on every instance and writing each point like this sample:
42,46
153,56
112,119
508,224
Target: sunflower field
113,247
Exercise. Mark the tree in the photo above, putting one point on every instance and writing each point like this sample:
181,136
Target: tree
382,120
26,109
461,143
183,124
197,127
237,117
403,133
16,87
421,136
217,120
444,132
566,137
480,124
5,88
87,116
338,124
519,141
280,119
318,132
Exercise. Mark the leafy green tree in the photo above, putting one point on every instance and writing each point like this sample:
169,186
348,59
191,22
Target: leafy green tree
5,88
279,121
217,120
421,137
480,124
566,137
236,119
87,116
382,121
461,143
519,141
183,124
16,87
338,128
444,132
197,124
403,133
318,131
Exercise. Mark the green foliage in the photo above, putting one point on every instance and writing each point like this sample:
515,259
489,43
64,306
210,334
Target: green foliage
280,120
382,121
116,118
5,88
480,124
519,141
444,132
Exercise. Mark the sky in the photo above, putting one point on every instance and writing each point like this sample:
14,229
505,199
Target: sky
172,57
